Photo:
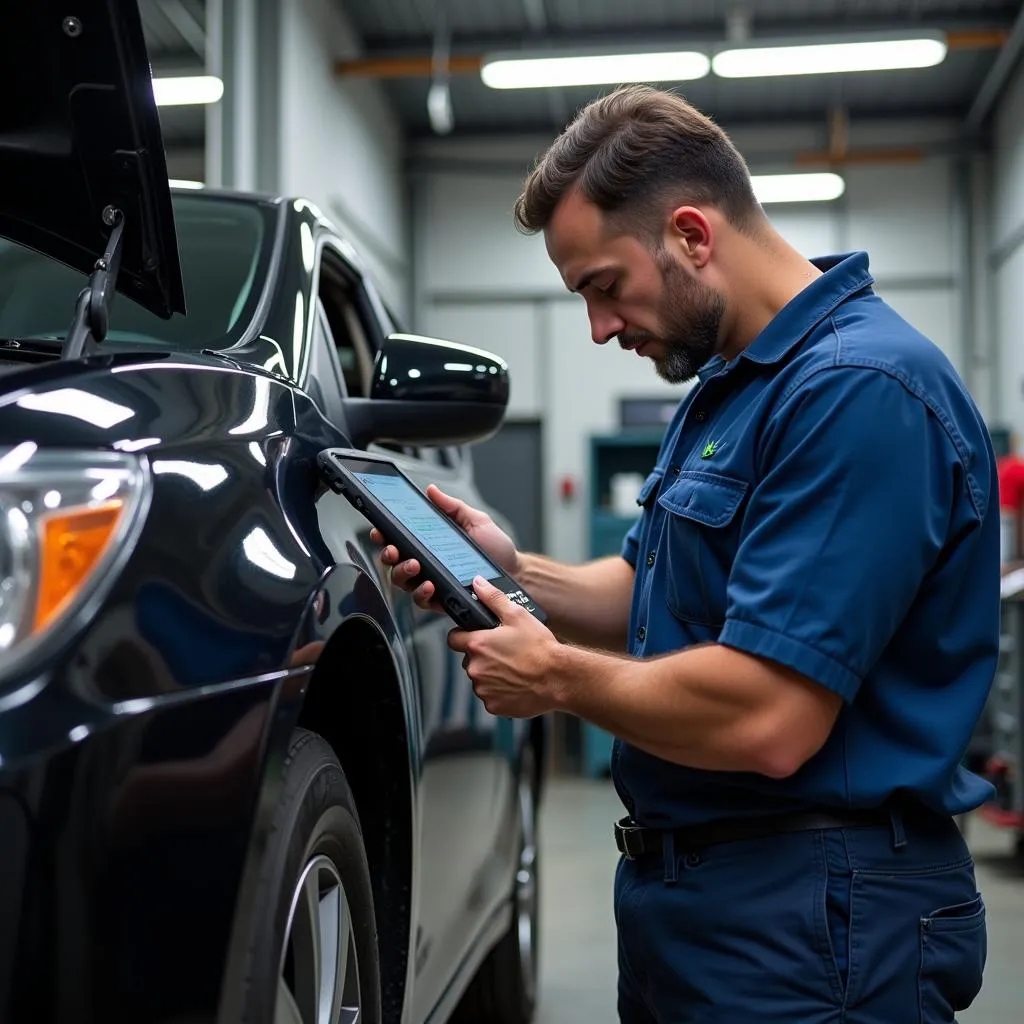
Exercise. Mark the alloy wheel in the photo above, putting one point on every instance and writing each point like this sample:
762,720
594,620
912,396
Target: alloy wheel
318,980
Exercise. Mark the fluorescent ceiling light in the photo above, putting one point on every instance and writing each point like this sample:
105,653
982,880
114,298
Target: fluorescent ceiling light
508,72
179,92
829,58
184,183
797,188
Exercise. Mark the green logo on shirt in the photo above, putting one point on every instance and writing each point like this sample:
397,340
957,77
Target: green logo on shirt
710,449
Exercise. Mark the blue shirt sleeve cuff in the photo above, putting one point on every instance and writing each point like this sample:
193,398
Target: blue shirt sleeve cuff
818,667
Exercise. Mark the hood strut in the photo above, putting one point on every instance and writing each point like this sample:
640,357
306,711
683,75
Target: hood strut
92,310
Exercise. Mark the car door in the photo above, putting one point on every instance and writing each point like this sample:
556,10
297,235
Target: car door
465,794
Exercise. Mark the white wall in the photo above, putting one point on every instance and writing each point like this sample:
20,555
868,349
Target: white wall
479,281
341,143
1007,254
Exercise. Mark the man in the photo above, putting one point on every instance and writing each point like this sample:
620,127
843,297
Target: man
802,628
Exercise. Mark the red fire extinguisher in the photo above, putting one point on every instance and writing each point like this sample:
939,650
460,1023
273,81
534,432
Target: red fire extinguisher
1011,507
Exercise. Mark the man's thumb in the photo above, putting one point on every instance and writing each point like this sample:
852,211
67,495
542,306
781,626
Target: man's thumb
445,502
493,598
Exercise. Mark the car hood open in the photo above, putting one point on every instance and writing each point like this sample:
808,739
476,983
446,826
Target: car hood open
80,138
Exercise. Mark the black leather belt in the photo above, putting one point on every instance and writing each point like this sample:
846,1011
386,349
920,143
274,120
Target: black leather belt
638,841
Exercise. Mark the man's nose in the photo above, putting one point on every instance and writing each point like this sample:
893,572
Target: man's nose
605,325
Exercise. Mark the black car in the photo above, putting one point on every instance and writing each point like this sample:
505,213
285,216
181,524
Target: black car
242,779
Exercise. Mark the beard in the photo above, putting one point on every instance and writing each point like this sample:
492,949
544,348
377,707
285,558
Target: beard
691,314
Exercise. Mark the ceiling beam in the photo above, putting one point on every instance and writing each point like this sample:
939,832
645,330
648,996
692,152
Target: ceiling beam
419,65
405,67
536,16
945,122
185,25
997,77
537,19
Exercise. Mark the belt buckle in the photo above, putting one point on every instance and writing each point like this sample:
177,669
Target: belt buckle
625,831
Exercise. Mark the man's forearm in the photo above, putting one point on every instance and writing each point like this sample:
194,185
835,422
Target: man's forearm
585,604
708,707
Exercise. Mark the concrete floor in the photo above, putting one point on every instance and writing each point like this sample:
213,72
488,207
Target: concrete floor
578,970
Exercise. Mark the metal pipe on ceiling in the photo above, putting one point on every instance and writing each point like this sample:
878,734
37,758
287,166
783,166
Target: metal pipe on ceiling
874,156
420,66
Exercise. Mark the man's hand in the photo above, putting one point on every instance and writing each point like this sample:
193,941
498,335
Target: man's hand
512,665
481,529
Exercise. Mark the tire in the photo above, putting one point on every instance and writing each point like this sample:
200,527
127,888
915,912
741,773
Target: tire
504,990
314,881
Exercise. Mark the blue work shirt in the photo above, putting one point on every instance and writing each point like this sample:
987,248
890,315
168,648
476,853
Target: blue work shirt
827,500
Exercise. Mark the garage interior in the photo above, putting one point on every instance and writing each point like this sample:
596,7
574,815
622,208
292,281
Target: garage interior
378,112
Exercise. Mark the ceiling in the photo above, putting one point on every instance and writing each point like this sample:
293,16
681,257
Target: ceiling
176,32
406,28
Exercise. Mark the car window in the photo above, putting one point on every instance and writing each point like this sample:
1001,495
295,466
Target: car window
354,340
224,247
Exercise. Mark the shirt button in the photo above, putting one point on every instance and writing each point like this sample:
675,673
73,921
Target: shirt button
641,634
650,559
675,469
701,416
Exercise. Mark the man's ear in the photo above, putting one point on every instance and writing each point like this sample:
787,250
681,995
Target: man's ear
691,235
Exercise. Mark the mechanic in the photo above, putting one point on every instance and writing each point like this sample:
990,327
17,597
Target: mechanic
802,628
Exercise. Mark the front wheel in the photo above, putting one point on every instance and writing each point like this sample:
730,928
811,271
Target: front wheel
313,955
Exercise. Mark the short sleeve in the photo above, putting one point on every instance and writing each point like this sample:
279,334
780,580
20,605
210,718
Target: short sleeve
631,543
857,487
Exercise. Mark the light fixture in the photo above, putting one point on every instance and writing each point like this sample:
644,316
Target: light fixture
806,57
509,71
184,183
439,108
190,91
797,188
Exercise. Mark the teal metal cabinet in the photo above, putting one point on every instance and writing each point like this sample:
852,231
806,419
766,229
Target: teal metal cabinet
630,451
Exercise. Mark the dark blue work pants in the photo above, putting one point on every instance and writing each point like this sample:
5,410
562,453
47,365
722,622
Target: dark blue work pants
876,925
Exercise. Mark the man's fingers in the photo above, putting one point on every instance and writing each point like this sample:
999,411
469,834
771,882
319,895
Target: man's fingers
494,599
403,572
458,639
445,502
465,515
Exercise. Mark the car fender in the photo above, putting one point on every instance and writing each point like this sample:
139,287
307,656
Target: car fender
345,594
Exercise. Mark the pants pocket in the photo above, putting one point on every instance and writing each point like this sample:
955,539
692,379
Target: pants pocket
838,914
954,947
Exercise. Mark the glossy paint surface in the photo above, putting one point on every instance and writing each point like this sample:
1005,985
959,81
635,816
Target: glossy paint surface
140,754
415,368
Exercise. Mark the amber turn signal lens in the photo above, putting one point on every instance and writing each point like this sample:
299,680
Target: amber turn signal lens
73,542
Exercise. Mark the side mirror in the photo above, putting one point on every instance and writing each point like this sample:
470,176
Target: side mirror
431,392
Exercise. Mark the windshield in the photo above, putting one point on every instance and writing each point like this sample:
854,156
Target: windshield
224,247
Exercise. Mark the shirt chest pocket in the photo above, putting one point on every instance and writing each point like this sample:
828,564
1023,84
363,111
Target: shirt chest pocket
699,541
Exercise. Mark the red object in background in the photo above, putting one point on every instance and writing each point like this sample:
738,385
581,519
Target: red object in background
1010,469
567,488
1011,482
997,772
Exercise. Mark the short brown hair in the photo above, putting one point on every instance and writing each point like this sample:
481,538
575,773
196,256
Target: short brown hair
634,152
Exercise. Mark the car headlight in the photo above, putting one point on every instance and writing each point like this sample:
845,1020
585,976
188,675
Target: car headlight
68,519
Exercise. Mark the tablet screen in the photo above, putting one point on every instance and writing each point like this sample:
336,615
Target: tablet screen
429,527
